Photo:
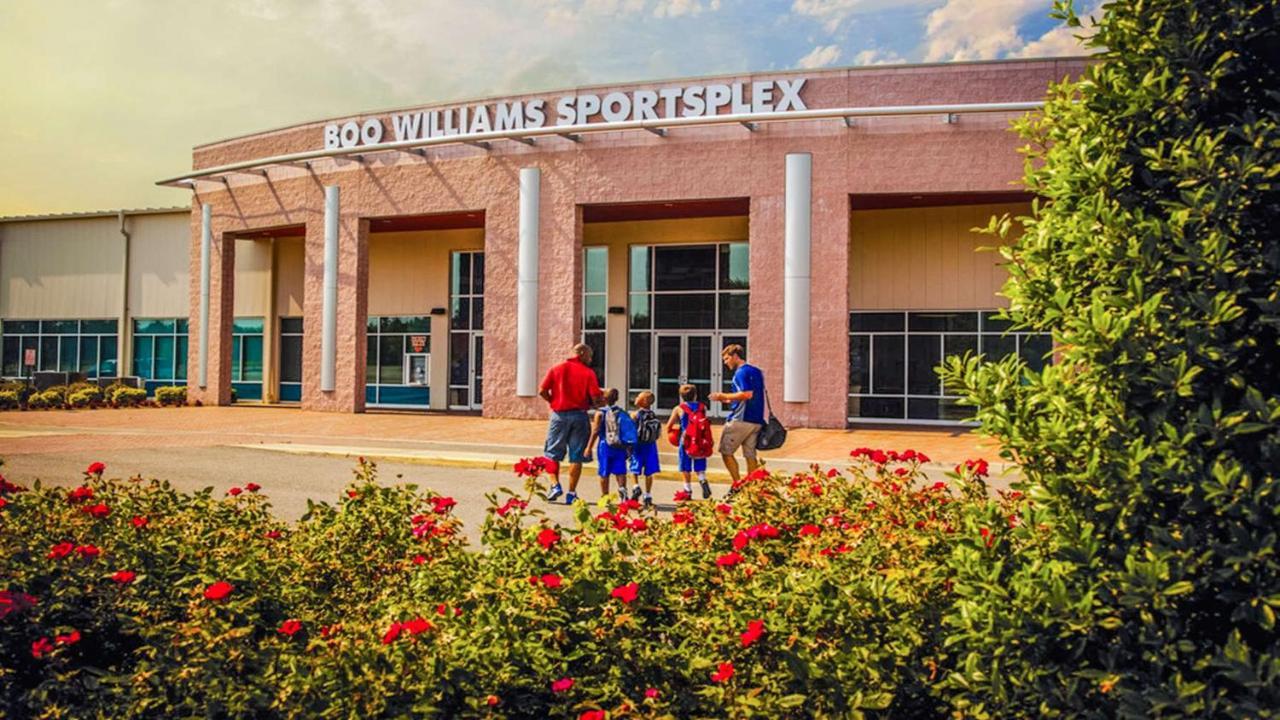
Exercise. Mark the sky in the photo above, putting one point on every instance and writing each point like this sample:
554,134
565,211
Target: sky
98,100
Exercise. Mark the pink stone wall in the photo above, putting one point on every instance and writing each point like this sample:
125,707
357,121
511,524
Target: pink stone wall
879,155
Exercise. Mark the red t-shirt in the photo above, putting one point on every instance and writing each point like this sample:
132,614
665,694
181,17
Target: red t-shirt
572,384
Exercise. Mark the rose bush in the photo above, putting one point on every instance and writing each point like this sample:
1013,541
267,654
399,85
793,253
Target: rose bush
187,603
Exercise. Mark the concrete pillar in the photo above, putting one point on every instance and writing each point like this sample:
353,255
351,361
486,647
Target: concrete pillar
349,302
527,276
796,281
212,311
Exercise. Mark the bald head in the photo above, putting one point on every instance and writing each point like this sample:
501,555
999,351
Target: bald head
583,352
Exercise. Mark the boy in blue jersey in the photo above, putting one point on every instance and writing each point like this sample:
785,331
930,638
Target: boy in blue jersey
644,456
612,460
746,411
689,465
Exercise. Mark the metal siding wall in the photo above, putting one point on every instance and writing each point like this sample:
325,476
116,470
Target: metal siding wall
925,258
159,265
61,269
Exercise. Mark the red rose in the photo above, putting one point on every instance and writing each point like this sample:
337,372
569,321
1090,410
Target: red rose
124,577
832,472
271,534
419,559
41,647
511,504
627,505
70,638
639,525
392,633
551,581
11,602
418,625
491,701
740,540
353,494
289,627
7,487
986,535
651,693
755,628
234,491
99,511
441,505
61,550
724,509
816,489
682,496
96,469
547,538
592,715
139,521
729,559
723,673
88,551
252,487
218,591
626,593
3,502
562,684
810,530
681,517
80,494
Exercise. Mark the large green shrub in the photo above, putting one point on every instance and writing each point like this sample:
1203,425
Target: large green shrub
20,388
9,400
172,395
813,595
125,396
1151,447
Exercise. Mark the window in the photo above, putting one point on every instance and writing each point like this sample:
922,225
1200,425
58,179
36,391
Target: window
83,346
160,351
466,330
893,356
246,358
595,305
388,340
290,359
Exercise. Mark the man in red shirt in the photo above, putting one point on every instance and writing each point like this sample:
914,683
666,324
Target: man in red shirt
571,389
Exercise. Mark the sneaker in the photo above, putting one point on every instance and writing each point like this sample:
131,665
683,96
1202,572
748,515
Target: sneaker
622,493
570,498
555,492
706,489
648,500
636,492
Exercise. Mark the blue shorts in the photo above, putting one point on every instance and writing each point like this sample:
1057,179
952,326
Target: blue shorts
567,432
644,459
612,460
688,464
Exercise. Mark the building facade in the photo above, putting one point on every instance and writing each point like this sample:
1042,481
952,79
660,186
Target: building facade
445,256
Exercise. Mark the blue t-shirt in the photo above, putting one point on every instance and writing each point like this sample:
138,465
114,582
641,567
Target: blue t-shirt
748,377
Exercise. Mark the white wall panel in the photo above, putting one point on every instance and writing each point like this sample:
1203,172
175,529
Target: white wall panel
61,269
159,267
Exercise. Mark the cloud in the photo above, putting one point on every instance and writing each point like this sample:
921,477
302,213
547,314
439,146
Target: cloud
1063,41
833,13
874,56
678,8
820,56
976,29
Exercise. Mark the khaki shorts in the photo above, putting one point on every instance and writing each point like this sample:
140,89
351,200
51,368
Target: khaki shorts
739,434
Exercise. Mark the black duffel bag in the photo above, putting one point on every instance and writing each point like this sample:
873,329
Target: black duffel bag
772,435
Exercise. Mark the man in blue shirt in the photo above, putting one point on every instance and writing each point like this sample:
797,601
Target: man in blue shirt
746,412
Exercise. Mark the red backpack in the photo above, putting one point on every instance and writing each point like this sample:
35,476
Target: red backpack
697,440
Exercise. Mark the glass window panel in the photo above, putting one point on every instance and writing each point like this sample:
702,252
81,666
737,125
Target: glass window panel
956,345
733,310
164,358
459,359
371,324
726,377
734,266
639,310
18,327
875,322
96,327
49,353
246,326
924,353
887,363
391,359
876,407
460,283
997,347
684,267
685,311
950,409
596,273
107,356
251,371
593,312
859,364
236,344
942,321
990,323
371,360
477,312
153,327
639,277
638,373
60,327
89,356
67,353
291,359
477,273
12,362
181,324
461,317
596,341
180,359
142,365
477,365
1034,350
459,397
291,325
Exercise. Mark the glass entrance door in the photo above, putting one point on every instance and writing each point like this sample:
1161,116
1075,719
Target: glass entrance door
466,330
681,359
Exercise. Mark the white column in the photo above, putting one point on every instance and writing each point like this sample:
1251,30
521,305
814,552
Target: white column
329,295
527,284
206,246
796,278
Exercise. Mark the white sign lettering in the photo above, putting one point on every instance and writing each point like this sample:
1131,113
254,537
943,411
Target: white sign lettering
763,96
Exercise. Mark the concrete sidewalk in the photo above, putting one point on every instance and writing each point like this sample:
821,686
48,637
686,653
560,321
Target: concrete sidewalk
421,438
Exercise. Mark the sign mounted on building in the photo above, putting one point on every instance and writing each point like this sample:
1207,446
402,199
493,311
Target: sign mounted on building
761,96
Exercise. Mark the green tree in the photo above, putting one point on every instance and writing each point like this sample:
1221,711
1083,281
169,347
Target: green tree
1145,582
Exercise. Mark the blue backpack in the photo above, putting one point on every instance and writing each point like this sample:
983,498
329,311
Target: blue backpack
619,428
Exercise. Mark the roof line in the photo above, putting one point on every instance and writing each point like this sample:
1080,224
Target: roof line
88,214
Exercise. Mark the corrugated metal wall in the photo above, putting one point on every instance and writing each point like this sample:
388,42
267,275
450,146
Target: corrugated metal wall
61,269
159,274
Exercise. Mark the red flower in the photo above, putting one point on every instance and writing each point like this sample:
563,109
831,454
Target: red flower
682,495
234,491
271,534
651,693
548,537
755,628
70,638
392,633
418,625
124,577
7,487
88,551
986,535
551,581
639,525
592,715
218,591
978,468
252,487
729,559
96,468
353,494
724,508
626,593
11,602
511,504
1014,521
61,550
329,631
809,529
681,517
723,674
740,540
41,647
491,701
80,494
562,684
289,627
441,505
139,521
627,505
419,559
531,467
3,502
99,511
